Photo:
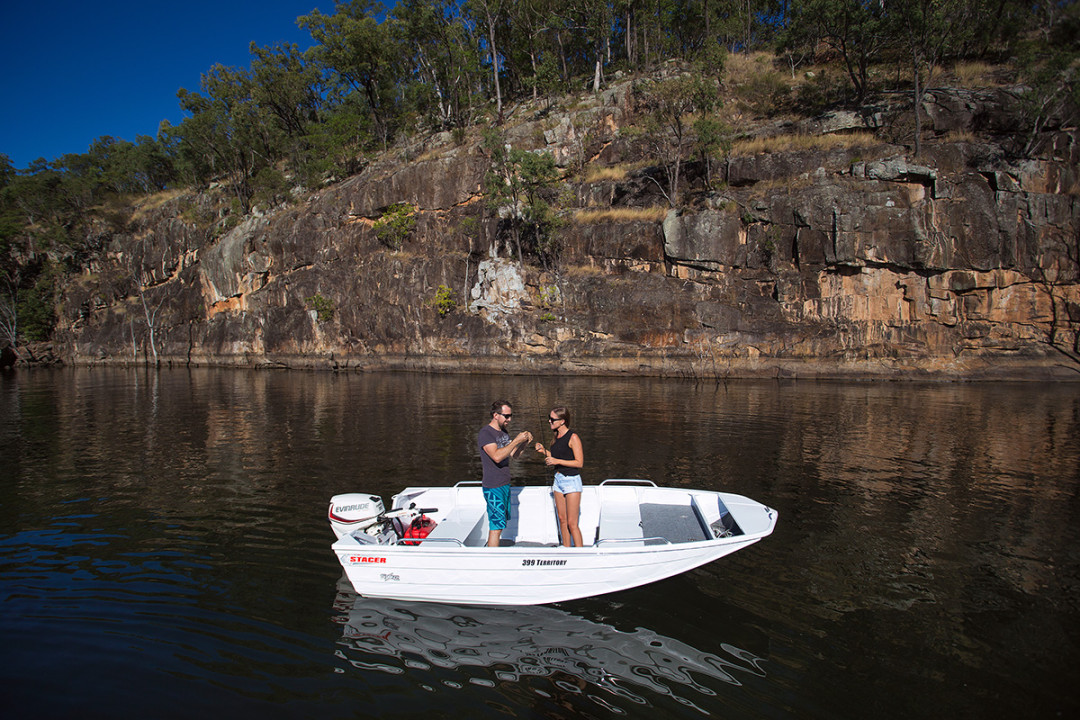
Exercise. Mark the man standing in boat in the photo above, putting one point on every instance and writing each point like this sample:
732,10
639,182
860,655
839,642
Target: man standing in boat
496,450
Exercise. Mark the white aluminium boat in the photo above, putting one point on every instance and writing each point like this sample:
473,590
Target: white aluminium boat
635,533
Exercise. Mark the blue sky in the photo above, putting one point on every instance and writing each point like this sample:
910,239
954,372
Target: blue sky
73,71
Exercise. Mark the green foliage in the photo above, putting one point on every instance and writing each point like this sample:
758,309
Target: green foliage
434,40
443,301
714,142
666,107
27,302
337,142
764,94
856,30
1051,71
549,296
269,187
517,185
323,307
822,91
469,226
395,225
767,244
358,53
36,308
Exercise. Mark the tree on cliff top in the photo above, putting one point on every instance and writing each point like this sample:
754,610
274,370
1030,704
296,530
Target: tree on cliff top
854,29
1050,67
357,52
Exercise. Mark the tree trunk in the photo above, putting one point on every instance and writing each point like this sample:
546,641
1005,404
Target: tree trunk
495,65
918,101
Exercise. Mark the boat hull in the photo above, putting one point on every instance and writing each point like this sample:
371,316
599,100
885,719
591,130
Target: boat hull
517,575
448,570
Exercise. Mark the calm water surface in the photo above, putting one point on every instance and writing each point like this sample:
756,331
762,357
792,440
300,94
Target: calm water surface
164,550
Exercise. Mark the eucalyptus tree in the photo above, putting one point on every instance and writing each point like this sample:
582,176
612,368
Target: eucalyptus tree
153,164
337,142
27,302
668,108
289,90
643,25
442,60
581,34
33,194
356,50
1049,65
597,20
10,228
927,32
9,313
489,15
857,30
228,133
123,167
516,184
532,22
27,286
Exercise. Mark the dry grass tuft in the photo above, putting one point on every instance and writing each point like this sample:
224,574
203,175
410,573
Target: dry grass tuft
583,271
613,173
960,136
155,201
620,215
740,67
765,188
602,174
789,143
974,75
435,153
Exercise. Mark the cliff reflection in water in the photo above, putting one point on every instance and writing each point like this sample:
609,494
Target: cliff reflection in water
490,645
927,563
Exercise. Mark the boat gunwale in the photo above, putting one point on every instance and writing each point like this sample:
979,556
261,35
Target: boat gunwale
446,546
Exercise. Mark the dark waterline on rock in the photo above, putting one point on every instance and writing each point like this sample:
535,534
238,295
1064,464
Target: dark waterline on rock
166,552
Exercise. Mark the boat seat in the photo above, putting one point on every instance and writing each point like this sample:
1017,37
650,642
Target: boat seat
533,521
620,516
589,516
465,523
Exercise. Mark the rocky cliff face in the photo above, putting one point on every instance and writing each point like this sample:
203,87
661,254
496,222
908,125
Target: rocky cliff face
852,262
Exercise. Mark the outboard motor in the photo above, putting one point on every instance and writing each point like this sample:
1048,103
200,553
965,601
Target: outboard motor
349,511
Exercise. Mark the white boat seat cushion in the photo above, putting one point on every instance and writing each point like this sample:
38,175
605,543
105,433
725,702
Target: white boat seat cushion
620,514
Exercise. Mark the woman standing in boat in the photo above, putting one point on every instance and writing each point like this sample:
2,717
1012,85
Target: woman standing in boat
567,456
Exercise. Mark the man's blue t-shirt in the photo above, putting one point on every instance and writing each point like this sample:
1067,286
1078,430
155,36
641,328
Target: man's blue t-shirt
495,474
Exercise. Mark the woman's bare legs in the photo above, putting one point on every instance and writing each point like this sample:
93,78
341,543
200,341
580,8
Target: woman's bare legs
569,508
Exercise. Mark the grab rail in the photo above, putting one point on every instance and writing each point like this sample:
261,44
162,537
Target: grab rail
420,541
629,481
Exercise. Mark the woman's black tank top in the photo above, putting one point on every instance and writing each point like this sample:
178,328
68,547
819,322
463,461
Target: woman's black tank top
561,449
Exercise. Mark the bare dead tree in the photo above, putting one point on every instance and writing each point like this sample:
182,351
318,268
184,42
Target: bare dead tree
1059,278
9,314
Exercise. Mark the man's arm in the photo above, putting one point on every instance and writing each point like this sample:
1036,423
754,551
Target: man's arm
498,454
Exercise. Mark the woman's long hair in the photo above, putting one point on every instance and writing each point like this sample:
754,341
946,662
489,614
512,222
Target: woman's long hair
563,414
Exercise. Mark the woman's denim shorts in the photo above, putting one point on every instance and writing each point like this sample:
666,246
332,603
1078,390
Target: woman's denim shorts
567,483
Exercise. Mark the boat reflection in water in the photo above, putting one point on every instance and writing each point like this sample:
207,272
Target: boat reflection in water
493,645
